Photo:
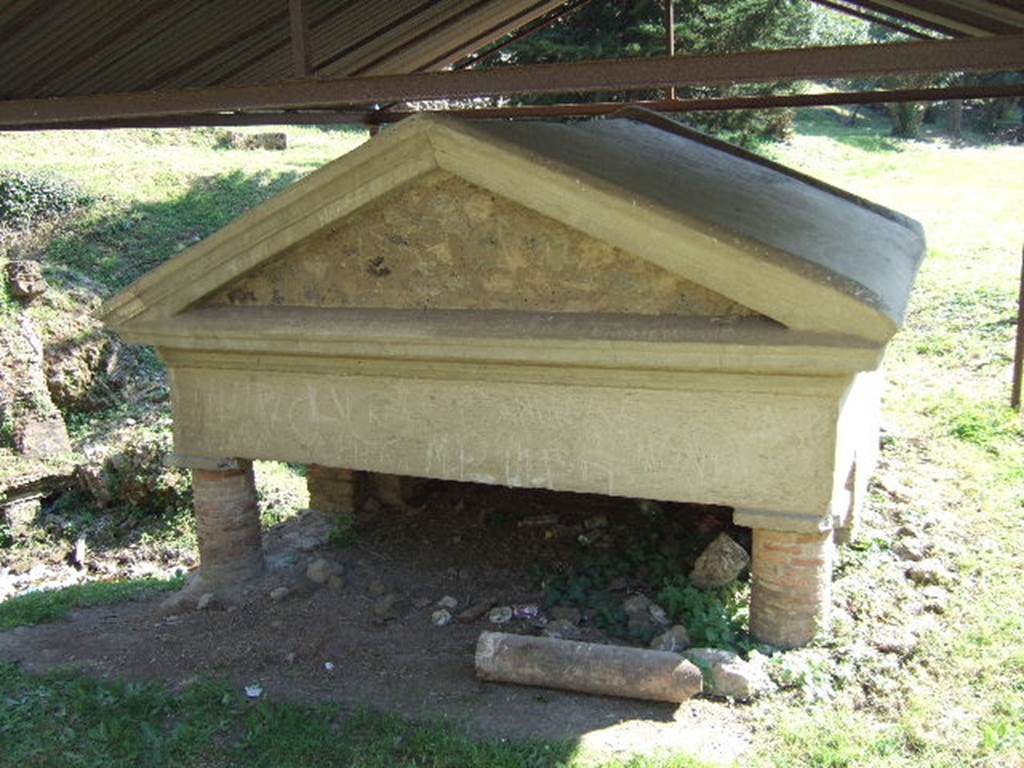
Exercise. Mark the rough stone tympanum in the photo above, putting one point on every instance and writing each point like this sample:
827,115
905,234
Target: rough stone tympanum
618,306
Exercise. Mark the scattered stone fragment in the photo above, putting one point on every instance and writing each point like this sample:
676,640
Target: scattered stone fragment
565,613
335,583
895,641
419,603
526,611
593,523
320,570
739,680
290,657
25,279
538,521
279,593
476,610
635,605
706,658
675,640
385,607
658,614
441,618
329,666
928,572
206,601
936,599
906,532
561,629
500,615
909,549
721,563
448,603
729,676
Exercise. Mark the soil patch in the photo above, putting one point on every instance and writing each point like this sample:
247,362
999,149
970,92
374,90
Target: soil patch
472,543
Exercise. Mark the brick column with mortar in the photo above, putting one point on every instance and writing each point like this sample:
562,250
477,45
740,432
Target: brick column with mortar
791,586
333,491
228,525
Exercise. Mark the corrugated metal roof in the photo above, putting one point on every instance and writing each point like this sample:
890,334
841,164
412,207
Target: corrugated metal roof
71,48
954,17
75,48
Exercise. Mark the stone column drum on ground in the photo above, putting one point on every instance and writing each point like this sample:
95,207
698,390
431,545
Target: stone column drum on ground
791,579
228,525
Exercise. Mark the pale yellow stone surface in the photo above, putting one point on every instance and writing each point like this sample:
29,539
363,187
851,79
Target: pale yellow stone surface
442,243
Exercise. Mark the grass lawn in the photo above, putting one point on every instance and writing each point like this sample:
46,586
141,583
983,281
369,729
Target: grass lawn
951,444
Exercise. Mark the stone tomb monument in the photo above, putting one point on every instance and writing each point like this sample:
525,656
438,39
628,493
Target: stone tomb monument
618,306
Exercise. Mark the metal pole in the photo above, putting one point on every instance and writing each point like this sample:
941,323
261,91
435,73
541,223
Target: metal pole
670,37
1018,355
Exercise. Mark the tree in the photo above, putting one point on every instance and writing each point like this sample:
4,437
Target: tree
602,30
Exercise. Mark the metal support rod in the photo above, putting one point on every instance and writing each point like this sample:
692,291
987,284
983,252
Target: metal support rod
968,55
542,111
670,37
302,59
1018,353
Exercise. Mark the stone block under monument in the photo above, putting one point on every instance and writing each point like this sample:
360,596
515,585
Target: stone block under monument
618,306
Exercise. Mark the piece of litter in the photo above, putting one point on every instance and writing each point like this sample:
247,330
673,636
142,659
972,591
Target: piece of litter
329,666
528,611
441,618
254,691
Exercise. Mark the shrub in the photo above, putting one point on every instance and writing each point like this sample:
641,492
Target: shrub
26,198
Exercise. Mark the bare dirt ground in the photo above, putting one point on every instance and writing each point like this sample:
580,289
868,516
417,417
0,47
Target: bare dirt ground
342,643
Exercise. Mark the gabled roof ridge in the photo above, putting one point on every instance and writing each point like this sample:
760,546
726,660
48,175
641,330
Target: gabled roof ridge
668,125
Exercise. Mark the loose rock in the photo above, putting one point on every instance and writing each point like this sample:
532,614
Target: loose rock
419,603
385,607
335,583
739,680
441,618
928,572
706,658
500,615
674,640
936,599
909,549
25,279
278,594
561,630
721,563
206,601
448,603
320,570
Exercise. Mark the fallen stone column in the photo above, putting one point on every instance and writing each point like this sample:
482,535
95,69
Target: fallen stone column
609,670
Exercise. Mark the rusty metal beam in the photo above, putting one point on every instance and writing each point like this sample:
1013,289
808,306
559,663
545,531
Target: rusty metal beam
983,54
874,19
302,57
545,111
956,15
927,23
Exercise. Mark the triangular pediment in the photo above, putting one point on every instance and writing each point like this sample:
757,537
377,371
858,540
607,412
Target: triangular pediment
442,243
578,224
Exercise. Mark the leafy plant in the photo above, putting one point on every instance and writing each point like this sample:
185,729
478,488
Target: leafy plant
29,197
344,531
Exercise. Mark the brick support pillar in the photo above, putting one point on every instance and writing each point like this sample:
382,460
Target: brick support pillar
333,491
791,584
228,526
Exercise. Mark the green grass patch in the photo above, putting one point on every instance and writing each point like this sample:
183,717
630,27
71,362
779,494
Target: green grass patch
67,718
53,604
